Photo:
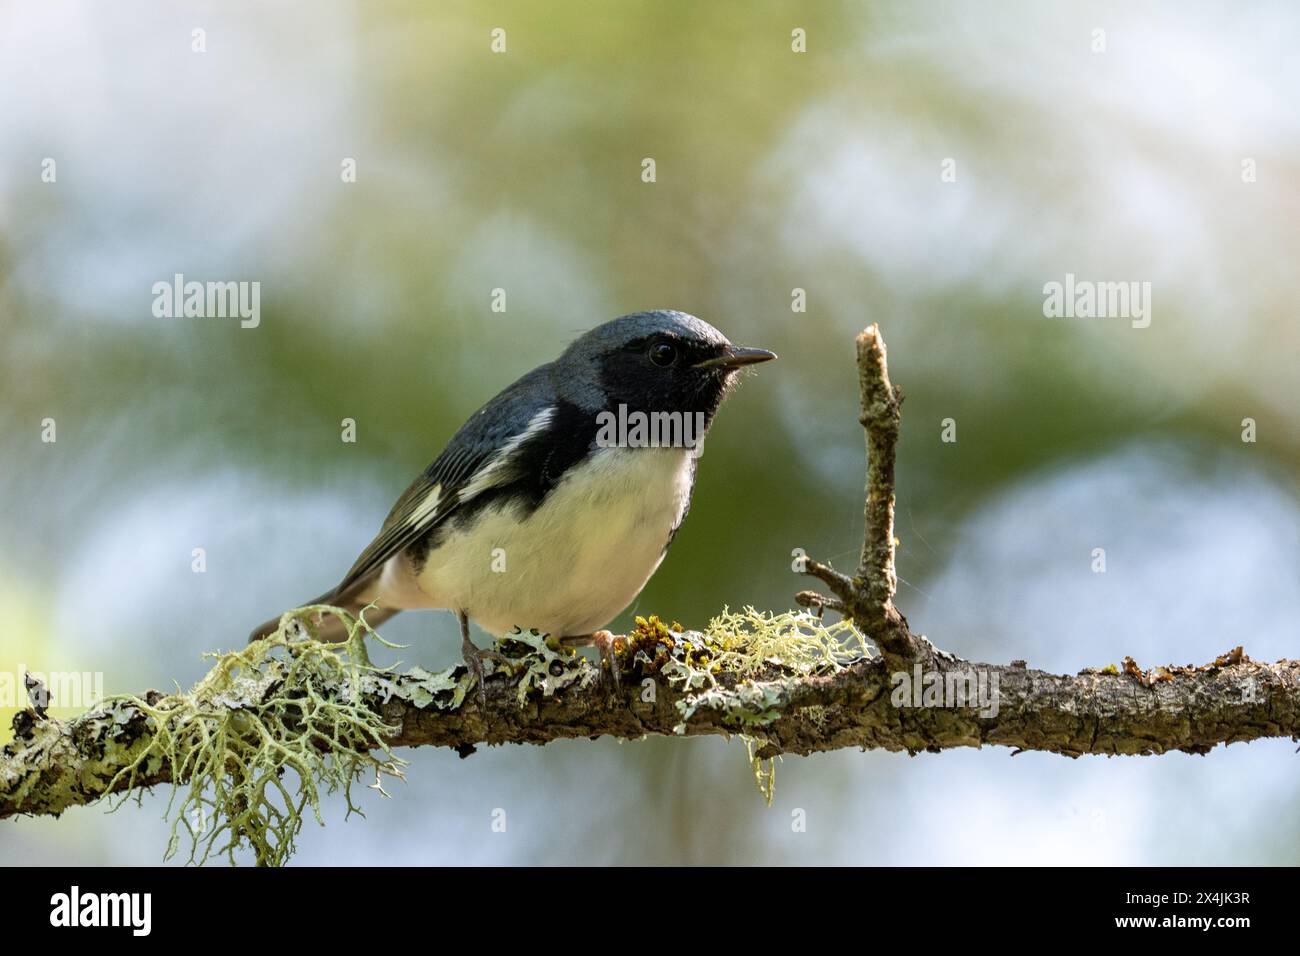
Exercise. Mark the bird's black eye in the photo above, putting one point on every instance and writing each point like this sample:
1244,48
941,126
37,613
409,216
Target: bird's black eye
663,354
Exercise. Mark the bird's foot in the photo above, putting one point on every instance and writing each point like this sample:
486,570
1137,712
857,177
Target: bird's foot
474,657
605,643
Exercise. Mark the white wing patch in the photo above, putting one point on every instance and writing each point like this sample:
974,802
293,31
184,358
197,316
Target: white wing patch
427,507
500,469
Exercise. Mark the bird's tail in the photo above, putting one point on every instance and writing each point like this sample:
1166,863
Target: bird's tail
330,628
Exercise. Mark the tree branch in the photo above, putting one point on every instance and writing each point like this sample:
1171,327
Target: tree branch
64,763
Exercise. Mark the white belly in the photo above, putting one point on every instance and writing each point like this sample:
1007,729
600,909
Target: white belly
575,563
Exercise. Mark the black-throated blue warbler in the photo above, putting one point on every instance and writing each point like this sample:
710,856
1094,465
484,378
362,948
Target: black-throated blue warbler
532,517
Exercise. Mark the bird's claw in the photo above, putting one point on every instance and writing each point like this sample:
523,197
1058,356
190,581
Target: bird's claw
474,656
604,642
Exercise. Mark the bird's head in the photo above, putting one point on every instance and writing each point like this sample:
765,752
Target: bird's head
659,361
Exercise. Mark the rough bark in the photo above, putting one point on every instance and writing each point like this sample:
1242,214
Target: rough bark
1094,712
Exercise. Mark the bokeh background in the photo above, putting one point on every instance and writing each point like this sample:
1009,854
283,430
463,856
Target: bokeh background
776,170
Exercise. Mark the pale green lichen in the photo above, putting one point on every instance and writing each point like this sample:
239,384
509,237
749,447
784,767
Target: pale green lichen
264,735
782,648
274,727
764,770
798,641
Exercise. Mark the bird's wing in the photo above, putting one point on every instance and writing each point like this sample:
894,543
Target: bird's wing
480,456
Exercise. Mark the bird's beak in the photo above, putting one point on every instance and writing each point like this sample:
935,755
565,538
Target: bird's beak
735,356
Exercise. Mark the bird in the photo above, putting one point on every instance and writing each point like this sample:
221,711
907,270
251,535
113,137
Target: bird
553,505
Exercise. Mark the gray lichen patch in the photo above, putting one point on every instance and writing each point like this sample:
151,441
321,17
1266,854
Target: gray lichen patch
543,667
534,665
55,764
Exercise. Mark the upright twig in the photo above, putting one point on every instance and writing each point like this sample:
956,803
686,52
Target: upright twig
868,597
880,421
